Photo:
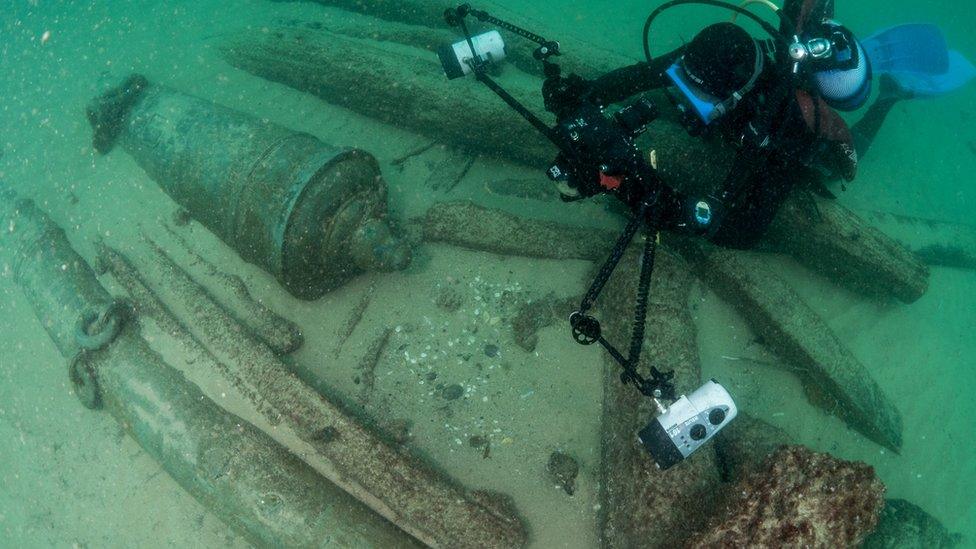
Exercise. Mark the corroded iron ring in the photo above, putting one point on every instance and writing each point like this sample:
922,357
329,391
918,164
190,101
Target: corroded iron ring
82,376
97,328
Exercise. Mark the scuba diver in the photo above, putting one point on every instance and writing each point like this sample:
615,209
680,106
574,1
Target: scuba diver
781,118
772,100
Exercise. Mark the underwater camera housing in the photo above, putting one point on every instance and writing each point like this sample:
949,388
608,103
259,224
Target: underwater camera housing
688,424
457,58
598,153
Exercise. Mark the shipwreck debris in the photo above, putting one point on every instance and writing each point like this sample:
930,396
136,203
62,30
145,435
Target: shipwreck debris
422,24
402,159
451,172
935,242
833,377
468,225
148,305
355,317
563,470
309,213
368,362
402,86
276,331
449,298
248,480
642,506
538,314
830,239
905,525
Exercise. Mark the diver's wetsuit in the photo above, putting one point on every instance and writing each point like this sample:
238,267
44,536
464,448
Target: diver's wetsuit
812,144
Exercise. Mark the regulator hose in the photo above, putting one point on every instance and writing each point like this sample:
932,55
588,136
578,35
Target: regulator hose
775,34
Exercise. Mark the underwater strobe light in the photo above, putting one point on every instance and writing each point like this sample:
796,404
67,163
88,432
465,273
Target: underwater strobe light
688,424
457,58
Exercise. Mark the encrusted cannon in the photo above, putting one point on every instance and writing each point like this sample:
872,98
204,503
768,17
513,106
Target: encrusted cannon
309,213
244,477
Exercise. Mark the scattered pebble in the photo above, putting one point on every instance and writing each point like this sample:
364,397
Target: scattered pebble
400,430
564,470
477,441
181,217
452,392
449,299
328,434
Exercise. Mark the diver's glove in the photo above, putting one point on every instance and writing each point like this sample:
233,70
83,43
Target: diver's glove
564,95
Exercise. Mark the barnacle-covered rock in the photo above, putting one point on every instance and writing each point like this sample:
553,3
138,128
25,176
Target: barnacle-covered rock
745,444
799,498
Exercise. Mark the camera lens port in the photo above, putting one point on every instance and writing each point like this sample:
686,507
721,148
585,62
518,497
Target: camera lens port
716,416
698,432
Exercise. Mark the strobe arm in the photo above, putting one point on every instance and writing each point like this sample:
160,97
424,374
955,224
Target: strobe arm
518,107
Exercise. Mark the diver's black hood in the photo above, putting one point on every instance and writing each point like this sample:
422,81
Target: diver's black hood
721,59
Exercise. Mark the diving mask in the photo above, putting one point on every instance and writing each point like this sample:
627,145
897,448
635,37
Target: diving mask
707,107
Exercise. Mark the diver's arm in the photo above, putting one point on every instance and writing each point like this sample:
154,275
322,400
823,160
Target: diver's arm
615,86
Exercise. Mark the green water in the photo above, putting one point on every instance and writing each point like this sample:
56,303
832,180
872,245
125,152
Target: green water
71,477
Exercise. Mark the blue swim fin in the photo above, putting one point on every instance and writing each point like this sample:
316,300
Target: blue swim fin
921,84
917,57
915,47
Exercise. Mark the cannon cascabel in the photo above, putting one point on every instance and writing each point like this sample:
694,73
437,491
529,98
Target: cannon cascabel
309,213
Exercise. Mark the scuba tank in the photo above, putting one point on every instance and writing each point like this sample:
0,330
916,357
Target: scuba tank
834,64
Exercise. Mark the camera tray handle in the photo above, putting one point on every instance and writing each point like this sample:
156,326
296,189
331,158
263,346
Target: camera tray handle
587,330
